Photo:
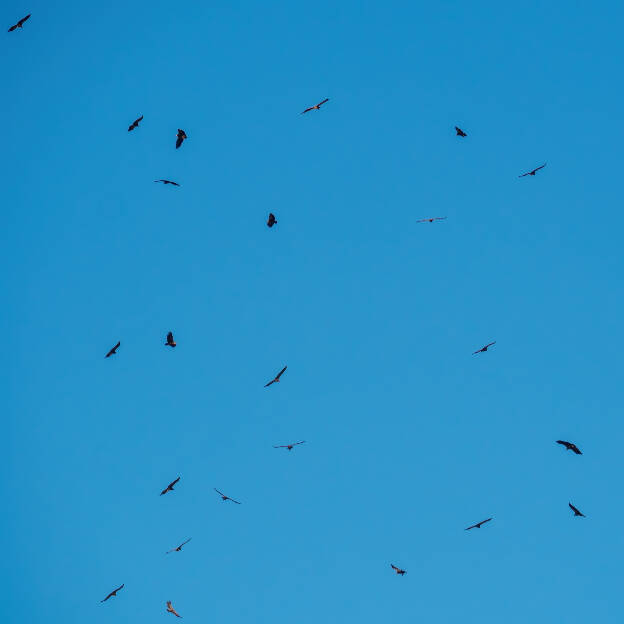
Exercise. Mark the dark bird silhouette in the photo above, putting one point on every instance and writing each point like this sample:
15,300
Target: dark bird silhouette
460,132
169,488
570,446
113,351
181,137
484,349
533,171
224,497
478,525
179,548
168,182
113,593
397,570
170,341
316,107
576,511
20,23
430,219
135,123
290,446
277,377
272,220
170,609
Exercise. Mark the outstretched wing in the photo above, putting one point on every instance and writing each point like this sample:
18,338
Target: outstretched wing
307,110
23,20
538,168
281,372
113,349
219,492
394,567
170,337
296,443
270,382
173,482
323,102
179,142
484,521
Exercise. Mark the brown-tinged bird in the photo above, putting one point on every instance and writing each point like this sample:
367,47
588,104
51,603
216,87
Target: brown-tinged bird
290,446
316,107
478,525
135,123
170,341
397,570
113,593
224,497
576,511
271,220
460,132
570,446
430,219
179,548
169,488
20,23
484,349
170,609
181,137
277,377
533,171
168,182
113,351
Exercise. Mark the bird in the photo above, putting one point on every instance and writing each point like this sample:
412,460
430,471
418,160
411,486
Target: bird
170,609
272,220
113,593
289,446
224,497
179,548
484,349
181,137
19,24
277,377
576,511
316,107
478,525
168,182
169,488
113,351
170,341
533,171
135,123
570,446
397,570
430,219
460,132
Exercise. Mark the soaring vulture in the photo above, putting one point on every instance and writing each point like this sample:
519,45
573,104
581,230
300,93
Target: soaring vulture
170,341
224,497
169,488
460,132
179,548
277,377
289,446
170,609
430,219
135,123
271,220
113,593
533,171
397,570
316,107
168,182
19,24
576,511
570,446
181,137
478,525
484,349
113,351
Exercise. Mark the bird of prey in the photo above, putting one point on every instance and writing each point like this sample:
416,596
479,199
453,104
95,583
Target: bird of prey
277,377
170,341
272,220
113,351
224,497
576,511
290,446
397,570
430,219
181,137
570,446
533,171
460,132
170,609
135,123
179,548
317,107
113,593
169,488
478,525
19,24
484,349
168,182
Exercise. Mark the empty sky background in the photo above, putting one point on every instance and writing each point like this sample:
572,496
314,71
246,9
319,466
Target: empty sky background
410,437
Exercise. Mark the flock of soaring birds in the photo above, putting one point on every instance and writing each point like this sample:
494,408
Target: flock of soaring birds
170,342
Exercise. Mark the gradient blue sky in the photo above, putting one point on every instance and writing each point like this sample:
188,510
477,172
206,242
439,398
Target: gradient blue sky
410,437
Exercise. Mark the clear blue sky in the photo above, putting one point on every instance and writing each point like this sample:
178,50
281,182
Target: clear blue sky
410,437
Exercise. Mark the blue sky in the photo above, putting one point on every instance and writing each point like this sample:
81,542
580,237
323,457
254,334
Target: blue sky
410,438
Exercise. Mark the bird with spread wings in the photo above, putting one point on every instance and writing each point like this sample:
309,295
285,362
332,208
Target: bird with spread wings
170,609
168,182
533,171
277,377
315,107
271,221
170,341
460,132
179,548
135,123
576,511
430,219
180,138
484,349
478,525
225,497
290,446
113,593
113,351
397,570
570,446
169,488
19,24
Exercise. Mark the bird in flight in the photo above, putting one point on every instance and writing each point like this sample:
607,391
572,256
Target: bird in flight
316,107
169,488
272,220
576,511
113,593
484,349
170,609
135,123
460,132
113,351
181,137
570,446
168,182
224,497
430,219
277,377
170,341
397,570
179,548
478,525
19,24
533,171
290,446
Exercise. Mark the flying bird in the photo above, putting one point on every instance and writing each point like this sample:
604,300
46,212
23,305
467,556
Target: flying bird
170,609
576,511
168,182
272,220
430,219
179,548
478,525
460,132
19,24
113,351
113,593
170,341
317,107
533,171
290,446
277,377
181,137
224,497
570,446
135,123
484,349
169,488
397,570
